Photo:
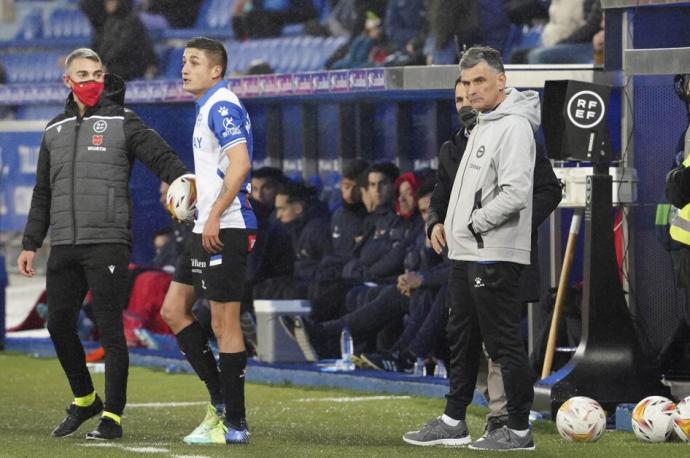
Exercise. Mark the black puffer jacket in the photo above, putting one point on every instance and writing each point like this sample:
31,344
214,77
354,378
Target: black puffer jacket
84,165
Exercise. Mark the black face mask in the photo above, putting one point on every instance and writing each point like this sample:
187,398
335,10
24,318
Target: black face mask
468,117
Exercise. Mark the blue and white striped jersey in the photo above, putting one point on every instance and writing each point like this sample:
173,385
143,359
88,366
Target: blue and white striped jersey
221,122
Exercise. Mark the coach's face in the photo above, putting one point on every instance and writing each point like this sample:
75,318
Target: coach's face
484,85
199,73
461,99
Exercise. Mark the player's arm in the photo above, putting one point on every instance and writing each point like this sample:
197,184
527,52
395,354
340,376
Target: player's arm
235,174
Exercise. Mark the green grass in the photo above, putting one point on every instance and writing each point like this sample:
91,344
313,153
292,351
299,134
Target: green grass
34,393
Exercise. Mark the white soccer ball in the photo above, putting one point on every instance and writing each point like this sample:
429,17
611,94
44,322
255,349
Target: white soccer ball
681,419
581,419
181,198
651,419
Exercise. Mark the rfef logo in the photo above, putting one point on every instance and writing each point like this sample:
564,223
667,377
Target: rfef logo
97,140
586,109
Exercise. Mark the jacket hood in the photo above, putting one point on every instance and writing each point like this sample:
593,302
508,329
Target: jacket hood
113,91
521,103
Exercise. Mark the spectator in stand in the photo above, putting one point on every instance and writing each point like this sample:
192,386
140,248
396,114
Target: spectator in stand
565,17
94,10
266,18
359,53
5,111
178,13
306,221
125,47
405,20
457,23
577,47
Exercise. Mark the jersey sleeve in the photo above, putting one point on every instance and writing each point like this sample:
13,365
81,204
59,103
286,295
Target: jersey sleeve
226,121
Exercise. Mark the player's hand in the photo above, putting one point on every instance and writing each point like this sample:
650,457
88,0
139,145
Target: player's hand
210,238
25,263
438,238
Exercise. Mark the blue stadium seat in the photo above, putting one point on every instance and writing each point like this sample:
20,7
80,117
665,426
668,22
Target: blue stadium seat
214,20
28,112
31,27
173,64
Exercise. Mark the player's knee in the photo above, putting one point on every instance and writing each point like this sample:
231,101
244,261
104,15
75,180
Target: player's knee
218,327
171,313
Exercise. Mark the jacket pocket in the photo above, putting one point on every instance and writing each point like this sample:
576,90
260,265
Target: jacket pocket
110,205
477,205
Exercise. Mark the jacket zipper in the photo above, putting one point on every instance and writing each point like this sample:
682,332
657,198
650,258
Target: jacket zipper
74,179
462,179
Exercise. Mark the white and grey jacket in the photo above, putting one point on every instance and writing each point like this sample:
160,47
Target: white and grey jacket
490,209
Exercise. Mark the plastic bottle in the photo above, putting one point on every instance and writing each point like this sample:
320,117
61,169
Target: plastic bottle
346,350
440,369
419,369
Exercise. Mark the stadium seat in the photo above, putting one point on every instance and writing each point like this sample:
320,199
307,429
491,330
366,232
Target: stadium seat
214,20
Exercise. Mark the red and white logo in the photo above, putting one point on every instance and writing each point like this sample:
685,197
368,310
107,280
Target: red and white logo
251,239
97,140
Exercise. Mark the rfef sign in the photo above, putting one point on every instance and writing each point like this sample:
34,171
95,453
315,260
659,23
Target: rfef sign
586,109
574,120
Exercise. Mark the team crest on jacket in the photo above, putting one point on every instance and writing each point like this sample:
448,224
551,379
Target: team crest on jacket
100,126
481,151
97,140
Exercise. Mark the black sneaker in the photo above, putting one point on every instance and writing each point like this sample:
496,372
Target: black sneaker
504,440
107,429
436,432
381,362
76,416
494,423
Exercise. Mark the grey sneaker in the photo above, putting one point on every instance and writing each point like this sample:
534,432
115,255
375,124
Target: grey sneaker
503,440
494,423
436,432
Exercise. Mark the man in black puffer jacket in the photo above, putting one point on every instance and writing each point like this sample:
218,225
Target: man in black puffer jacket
82,194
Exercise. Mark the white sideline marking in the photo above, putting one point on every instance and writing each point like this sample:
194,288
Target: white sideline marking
157,405
127,448
353,399
146,449
190,456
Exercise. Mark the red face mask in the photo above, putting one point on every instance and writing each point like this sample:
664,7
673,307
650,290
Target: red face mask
89,92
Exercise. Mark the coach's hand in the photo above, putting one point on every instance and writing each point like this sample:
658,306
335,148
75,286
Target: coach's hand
210,238
25,263
438,238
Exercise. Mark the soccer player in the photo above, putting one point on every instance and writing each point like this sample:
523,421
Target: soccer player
82,195
214,264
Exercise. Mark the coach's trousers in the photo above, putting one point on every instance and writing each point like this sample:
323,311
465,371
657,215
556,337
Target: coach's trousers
485,306
72,271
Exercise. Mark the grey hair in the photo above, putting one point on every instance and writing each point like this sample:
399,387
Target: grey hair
82,53
475,55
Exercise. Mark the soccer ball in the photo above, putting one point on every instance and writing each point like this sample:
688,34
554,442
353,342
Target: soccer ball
681,419
651,419
581,419
181,198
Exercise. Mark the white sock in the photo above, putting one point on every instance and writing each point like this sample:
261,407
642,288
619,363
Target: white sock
521,433
449,421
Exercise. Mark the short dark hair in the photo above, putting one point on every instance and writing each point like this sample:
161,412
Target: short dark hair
387,168
213,49
427,187
298,192
458,80
354,168
476,54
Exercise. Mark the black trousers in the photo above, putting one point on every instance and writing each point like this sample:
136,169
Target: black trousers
72,271
485,306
